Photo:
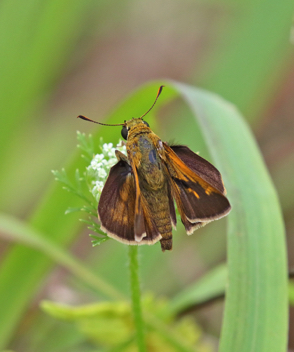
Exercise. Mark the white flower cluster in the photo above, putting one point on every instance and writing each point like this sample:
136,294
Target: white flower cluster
100,166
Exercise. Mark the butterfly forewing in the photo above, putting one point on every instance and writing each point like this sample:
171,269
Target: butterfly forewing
117,208
200,166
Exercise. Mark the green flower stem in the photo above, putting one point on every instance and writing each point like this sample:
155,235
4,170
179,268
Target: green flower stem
15,230
136,297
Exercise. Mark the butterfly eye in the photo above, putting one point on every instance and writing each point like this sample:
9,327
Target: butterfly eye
146,123
124,133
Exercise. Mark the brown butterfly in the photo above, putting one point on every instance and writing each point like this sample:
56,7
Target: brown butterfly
137,202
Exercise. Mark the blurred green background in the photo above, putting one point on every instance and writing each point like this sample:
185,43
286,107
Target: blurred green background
63,58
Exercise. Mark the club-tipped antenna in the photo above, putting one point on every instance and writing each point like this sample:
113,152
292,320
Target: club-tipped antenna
99,123
121,124
157,96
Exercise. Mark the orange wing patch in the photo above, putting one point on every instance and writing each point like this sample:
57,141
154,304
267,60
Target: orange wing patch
198,201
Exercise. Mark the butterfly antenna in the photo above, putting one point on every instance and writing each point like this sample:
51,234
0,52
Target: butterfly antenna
99,123
157,96
122,124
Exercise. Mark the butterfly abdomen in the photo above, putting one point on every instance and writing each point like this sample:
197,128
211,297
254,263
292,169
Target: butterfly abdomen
159,211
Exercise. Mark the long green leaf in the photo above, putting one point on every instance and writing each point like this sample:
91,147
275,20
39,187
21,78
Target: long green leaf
17,231
255,317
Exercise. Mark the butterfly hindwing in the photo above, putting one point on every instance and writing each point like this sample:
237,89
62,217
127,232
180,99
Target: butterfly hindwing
199,195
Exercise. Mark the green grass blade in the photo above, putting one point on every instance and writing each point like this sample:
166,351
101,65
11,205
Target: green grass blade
256,316
14,230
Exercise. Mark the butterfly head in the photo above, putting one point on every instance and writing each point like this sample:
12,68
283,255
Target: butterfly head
135,125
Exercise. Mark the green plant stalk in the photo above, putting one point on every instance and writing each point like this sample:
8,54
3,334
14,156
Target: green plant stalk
14,230
136,297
